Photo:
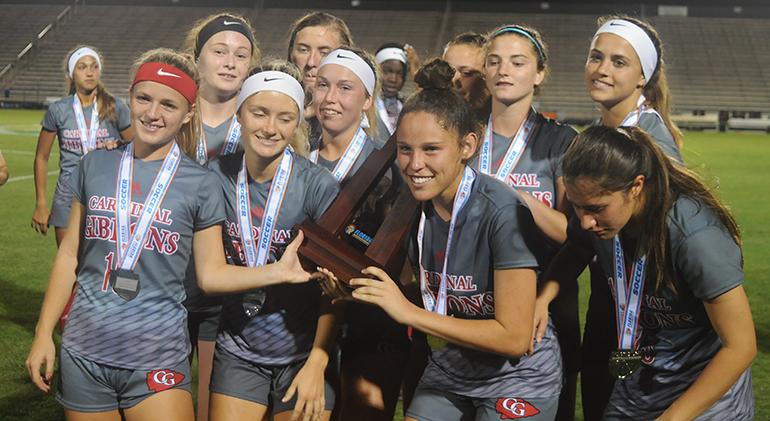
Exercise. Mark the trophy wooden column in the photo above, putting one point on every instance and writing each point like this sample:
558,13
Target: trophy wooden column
322,239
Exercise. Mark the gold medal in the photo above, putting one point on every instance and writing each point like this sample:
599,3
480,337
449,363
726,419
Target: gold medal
624,362
436,343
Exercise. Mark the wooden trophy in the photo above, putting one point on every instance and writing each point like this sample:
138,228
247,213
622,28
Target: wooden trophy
323,244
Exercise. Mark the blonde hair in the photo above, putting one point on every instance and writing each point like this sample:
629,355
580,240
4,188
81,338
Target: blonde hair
299,140
191,40
105,102
656,90
189,133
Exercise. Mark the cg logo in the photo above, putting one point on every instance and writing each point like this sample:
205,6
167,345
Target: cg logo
514,408
160,380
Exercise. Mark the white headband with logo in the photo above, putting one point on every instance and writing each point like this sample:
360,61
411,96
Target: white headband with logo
390,53
355,64
275,81
80,53
639,40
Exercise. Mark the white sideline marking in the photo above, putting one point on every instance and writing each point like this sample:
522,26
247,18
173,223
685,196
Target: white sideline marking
27,177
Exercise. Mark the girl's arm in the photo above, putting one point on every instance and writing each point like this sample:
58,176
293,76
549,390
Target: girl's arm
63,277
44,145
551,222
509,334
309,381
731,317
565,268
215,276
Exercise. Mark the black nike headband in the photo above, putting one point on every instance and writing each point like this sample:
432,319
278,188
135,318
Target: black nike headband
222,24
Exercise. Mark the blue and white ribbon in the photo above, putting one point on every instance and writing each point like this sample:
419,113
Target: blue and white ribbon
348,158
514,152
628,297
433,303
87,137
130,244
257,254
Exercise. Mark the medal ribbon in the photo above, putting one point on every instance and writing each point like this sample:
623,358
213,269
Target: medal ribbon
87,138
131,243
513,154
230,146
257,254
628,297
632,119
431,302
348,158
384,113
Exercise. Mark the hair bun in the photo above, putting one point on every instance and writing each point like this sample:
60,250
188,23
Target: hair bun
435,74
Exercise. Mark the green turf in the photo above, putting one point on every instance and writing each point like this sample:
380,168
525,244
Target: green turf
737,162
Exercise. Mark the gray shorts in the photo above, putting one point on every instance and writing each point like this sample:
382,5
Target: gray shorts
62,203
86,386
266,386
433,404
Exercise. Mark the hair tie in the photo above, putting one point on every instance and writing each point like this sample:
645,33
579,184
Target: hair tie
275,81
168,75
355,64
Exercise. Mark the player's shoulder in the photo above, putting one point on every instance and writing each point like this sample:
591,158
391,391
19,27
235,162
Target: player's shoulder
62,105
555,130
689,215
495,194
311,172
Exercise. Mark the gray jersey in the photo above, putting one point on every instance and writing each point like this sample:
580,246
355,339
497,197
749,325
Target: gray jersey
540,164
216,137
370,144
493,232
150,330
197,300
676,337
60,118
652,123
284,329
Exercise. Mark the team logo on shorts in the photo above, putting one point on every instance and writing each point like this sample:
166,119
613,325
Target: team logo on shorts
160,380
513,408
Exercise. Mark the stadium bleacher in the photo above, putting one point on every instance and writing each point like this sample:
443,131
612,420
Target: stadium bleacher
714,64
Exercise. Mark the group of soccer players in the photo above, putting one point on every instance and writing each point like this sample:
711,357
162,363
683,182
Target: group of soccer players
195,254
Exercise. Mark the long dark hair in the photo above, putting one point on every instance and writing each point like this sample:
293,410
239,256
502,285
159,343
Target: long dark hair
613,158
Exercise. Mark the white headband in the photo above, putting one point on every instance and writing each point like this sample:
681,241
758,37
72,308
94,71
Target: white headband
273,81
391,53
80,53
639,40
355,64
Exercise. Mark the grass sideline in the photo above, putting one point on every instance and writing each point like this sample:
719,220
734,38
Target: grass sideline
736,161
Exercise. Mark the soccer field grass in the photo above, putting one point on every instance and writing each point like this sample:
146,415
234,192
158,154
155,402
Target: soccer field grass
737,162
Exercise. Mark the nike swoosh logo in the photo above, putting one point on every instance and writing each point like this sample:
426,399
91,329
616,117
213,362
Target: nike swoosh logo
224,22
616,24
275,78
162,73
345,57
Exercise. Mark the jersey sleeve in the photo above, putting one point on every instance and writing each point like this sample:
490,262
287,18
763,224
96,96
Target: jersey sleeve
325,189
51,121
563,139
211,202
124,115
710,262
512,238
